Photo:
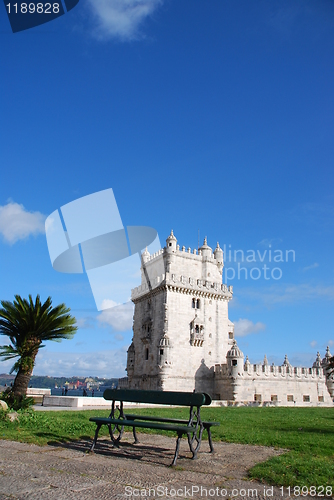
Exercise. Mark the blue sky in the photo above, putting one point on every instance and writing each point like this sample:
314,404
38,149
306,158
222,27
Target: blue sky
214,117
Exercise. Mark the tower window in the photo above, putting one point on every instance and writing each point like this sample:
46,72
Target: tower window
193,303
198,304
161,352
234,362
230,335
146,353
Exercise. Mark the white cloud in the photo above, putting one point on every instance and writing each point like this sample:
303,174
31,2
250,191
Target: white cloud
313,343
16,223
244,327
85,323
119,317
312,266
272,242
330,343
108,303
108,363
121,18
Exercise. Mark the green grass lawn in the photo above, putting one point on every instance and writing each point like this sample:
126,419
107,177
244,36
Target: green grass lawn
308,434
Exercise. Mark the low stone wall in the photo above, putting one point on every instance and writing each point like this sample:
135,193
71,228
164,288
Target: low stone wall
33,391
37,394
74,401
81,402
273,404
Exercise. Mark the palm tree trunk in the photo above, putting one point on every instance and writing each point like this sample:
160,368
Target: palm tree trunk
21,381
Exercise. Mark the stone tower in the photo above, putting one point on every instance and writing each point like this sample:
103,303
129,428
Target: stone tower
181,328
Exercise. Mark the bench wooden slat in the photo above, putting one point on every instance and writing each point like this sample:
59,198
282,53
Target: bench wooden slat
158,397
162,419
146,425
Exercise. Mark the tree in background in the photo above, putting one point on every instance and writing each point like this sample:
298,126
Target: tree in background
28,325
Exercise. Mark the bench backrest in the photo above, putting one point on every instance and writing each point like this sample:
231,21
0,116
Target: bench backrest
158,397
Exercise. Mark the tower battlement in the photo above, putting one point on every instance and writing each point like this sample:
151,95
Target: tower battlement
272,372
283,384
184,284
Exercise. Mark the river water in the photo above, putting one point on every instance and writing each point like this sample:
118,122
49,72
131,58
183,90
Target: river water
77,392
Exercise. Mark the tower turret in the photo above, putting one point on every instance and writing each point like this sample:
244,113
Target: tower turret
235,361
327,357
317,363
205,249
131,360
171,243
145,255
329,372
219,256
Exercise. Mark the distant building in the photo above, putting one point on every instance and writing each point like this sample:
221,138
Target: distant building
184,341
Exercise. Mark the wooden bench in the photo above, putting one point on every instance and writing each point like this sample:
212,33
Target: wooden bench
193,427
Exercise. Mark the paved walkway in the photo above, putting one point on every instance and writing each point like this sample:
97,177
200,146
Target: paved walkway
68,472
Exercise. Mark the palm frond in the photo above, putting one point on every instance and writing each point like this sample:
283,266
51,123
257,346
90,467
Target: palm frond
8,352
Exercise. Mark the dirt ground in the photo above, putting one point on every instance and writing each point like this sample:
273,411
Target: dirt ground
69,472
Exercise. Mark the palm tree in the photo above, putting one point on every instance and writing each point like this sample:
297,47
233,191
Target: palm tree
28,324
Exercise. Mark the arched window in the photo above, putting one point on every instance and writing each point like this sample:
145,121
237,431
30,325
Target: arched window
196,303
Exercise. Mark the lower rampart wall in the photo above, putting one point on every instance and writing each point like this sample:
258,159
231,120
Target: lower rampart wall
283,389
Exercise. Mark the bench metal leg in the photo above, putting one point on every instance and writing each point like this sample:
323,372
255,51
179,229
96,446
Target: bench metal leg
194,440
111,435
98,427
177,449
212,450
135,435
120,430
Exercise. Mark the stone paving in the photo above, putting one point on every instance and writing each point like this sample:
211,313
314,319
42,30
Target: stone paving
69,472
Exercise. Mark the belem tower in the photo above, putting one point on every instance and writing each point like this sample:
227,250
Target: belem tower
183,339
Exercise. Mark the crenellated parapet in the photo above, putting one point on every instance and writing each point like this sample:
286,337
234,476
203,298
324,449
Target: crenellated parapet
147,257
272,371
184,284
266,371
188,253
283,384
